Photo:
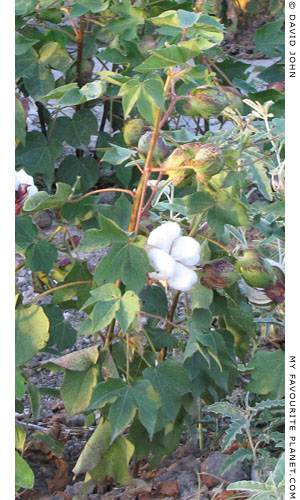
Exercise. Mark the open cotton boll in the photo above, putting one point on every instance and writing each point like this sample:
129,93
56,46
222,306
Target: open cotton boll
22,178
163,236
186,250
162,262
183,278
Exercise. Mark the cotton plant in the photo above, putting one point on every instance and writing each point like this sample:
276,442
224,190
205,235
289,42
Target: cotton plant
173,256
24,188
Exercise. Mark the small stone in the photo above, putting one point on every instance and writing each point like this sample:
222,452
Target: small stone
212,465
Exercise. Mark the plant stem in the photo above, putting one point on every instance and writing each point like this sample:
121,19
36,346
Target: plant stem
52,290
22,264
101,191
170,327
141,189
80,36
109,331
174,325
41,109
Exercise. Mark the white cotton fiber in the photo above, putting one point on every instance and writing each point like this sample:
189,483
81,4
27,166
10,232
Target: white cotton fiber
186,250
163,236
162,262
183,278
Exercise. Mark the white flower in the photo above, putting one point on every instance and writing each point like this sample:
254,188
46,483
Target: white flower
172,256
24,188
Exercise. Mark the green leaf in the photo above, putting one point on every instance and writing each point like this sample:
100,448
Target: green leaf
76,131
160,338
115,462
113,55
43,200
86,168
76,390
119,212
148,402
270,403
62,334
94,238
239,321
225,409
197,203
39,155
154,300
79,272
236,427
32,332
174,55
59,91
56,56
201,296
78,361
134,264
34,398
19,385
229,210
40,256
171,382
93,90
238,456
122,412
40,81
23,7
103,293
71,98
93,5
268,38
130,91
129,307
146,105
26,64
267,377
279,472
248,486
52,444
178,18
75,213
261,179
26,231
117,155
20,438
103,313
20,121
95,448
22,44
24,477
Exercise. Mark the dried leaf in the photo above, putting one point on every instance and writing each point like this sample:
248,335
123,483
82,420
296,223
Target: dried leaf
61,478
168,489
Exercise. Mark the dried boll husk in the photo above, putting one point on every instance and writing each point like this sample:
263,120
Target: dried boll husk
133,130
183,278
208,162
160,149
206,101
163,236
279,86
218,273
276,292
162,262
256,271
234,99
186,250
178,158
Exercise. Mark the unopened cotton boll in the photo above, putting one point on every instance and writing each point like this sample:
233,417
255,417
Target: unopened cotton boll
163,236
186,250
162,262
183,278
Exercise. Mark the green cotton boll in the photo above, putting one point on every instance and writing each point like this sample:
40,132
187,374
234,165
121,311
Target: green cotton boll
133,130
208,162
178,158
219,273
234,100
256,271
160,148
206,101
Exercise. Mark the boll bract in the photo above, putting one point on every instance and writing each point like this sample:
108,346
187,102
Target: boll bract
256,271
133,130
178,158
272,294
172,256
234,99
218,273
208,162
206,101
24,188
